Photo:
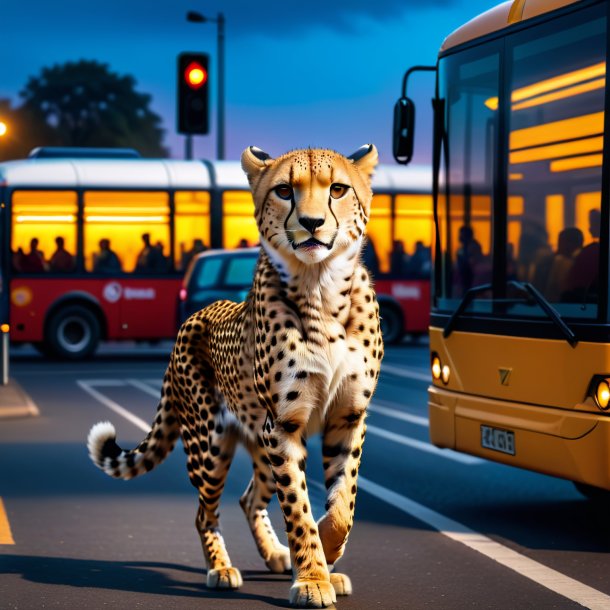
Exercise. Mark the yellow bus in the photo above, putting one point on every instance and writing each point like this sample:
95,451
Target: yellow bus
520,314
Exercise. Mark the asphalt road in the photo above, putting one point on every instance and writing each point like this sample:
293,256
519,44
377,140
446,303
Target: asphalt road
433,528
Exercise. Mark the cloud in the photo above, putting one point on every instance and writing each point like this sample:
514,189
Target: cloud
281,18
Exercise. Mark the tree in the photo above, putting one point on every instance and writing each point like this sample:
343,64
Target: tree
85,104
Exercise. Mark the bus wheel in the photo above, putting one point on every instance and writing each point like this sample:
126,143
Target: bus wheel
391,324
73,333
595,494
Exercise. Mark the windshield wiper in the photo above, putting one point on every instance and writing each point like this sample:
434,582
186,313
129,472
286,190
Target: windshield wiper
548,309
468,296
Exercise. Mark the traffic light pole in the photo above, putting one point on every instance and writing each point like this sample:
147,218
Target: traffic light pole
188,147
220,138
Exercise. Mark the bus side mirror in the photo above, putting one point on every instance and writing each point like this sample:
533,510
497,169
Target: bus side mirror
404,130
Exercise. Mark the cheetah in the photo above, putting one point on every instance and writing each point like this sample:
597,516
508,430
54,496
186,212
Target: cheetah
300,355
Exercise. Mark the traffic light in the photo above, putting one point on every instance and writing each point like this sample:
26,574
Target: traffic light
193,93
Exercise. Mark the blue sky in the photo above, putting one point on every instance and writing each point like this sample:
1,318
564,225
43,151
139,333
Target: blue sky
320,73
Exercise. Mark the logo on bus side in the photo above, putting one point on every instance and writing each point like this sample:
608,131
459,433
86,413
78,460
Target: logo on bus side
505,376
114,291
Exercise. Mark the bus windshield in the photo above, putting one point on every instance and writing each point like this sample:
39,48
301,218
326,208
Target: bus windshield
545,116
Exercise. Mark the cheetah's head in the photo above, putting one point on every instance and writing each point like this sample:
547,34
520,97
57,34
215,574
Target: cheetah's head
311,204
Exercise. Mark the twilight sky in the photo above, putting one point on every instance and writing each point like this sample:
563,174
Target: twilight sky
320,73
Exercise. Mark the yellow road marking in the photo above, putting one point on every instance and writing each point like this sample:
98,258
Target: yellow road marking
6,537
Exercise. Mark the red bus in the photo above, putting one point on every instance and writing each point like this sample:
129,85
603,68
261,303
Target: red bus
94,247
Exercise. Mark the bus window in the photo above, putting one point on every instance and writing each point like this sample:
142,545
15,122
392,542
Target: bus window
378,248
192,225
43,222
466,204
556,141
413,226
239,224
126,219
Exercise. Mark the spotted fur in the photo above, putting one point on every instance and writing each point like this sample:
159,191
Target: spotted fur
300,355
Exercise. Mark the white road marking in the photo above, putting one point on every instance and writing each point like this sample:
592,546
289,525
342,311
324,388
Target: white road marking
422,446
145,387
561,584
418,420
399,371
117,408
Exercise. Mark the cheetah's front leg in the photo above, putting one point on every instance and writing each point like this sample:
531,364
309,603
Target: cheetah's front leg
285,444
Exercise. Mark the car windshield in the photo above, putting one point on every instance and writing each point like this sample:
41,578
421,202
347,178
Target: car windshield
207,271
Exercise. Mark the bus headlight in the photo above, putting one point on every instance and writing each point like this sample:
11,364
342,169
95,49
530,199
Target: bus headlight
599,391
435,365
440,371
602,394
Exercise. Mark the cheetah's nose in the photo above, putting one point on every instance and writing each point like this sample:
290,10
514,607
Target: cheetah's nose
311,224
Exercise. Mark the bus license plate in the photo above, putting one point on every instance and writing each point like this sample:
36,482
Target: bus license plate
498,440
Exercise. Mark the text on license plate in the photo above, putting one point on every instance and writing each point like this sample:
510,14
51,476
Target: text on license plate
498,439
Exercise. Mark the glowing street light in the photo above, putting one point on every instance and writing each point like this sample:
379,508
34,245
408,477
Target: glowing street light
3,128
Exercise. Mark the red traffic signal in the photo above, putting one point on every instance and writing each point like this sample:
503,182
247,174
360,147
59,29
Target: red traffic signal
195,75
193,93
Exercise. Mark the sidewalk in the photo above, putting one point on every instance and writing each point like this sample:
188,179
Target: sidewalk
14,402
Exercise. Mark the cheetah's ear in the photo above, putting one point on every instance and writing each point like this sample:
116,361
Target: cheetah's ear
365,159
253,160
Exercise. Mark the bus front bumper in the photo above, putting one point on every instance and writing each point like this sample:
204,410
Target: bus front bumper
573,444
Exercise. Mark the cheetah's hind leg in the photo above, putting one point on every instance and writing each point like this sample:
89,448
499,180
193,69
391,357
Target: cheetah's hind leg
210,451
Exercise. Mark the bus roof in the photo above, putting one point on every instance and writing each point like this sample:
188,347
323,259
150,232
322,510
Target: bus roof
500,17
171,174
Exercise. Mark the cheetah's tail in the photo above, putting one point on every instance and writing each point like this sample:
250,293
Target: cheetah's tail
122,464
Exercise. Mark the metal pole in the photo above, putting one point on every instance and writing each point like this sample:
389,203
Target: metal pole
4,360
220,137
188,147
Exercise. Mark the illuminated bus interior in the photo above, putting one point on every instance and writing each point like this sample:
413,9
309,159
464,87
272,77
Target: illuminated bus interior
554,125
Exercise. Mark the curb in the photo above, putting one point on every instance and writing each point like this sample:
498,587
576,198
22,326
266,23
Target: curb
15,402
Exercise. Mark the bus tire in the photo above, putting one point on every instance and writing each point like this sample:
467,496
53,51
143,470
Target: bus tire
595,494
73,332
391,324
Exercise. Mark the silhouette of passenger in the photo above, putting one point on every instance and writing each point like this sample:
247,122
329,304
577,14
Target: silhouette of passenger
398,259
583,277
420,263
145,256
469,248
370,258
106,260
569,243
33,261
17,259
533,250
61,260
198,246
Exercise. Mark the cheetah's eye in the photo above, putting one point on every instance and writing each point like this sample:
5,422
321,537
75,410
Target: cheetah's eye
283,191
338,190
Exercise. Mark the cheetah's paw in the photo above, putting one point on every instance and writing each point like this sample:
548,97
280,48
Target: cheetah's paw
224,578
341,583
279,561
312,594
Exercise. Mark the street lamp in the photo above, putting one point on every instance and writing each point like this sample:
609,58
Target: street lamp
195,17
3,128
